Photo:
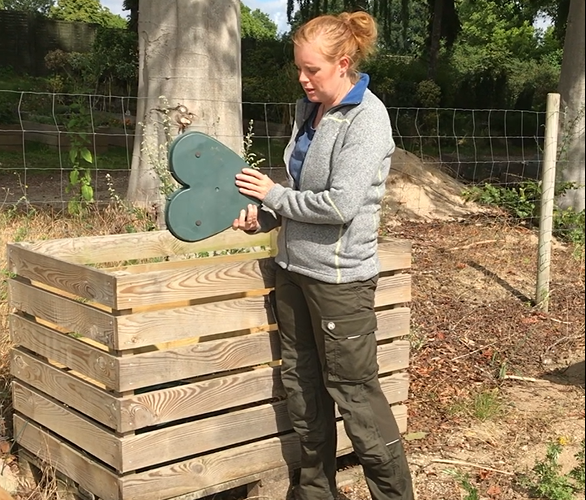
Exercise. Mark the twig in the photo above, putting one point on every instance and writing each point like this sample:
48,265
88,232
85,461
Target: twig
472,352
560,321
469,464
563,339
524,379
476,243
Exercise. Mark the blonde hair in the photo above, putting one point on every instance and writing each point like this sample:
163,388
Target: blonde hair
347,34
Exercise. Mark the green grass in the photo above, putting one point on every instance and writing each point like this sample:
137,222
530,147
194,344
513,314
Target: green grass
39,158
271,149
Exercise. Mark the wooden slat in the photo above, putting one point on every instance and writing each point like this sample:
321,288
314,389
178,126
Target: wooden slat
182,263
72,426
215,432
141,329
79,280
75,465
394,254
393,323
79,356
193,283
70,390
69,314
393,356
219,467
200,321
392,290
158,367
185,401
217,281
145,245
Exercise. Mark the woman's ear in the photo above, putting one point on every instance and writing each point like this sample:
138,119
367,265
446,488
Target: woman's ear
344,65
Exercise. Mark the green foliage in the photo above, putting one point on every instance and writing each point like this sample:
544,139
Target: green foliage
115,59
256,24
465,484
546,479
523,202
41,6
81,159
86,11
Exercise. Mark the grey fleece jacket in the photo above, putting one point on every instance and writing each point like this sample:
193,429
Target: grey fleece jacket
330,225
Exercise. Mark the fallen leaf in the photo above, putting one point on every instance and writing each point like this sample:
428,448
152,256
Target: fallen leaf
414,435
493,490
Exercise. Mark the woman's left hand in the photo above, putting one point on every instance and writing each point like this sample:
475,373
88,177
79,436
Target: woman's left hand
253,183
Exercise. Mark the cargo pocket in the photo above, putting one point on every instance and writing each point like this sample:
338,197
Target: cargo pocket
350,347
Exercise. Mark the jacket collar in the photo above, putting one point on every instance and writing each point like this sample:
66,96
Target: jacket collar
355,95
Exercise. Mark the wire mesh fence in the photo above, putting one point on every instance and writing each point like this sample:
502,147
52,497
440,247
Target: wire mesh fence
463,147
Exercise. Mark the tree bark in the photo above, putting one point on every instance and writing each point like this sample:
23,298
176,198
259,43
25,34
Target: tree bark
571,89
435,39
189,55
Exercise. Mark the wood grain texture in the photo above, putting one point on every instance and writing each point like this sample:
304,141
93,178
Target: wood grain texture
71,315
79,280
90,361
72,426
394,254
66,388
152,327
219,467
193,283
144,245
75,465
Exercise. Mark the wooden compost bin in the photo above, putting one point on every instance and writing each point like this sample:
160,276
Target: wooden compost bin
144,370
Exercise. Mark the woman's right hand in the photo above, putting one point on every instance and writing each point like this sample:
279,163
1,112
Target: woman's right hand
248,219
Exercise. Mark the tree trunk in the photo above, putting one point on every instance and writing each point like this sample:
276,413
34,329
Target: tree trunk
435,39
571,89
189,56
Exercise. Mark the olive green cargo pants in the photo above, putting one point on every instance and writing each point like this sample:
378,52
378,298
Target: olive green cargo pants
328,348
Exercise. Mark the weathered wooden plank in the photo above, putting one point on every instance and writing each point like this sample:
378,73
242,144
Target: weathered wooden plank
392,290
144,245
217,281
152,327
394,254
215,432
75,465
393,323
182,263
72,426
69,314
79,280
193,283
90,361
198,398
197,359
393,356
219,467
67,388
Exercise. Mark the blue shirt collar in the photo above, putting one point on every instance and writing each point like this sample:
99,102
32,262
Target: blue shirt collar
356,94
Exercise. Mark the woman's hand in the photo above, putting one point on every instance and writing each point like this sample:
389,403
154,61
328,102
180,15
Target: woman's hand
248,219
252,183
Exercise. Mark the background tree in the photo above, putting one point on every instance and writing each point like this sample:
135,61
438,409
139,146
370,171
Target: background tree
256,24
86,11
571,89
41,6
189,52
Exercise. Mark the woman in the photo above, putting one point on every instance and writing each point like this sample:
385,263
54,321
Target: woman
337,162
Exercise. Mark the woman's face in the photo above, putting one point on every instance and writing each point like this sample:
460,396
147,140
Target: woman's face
322,80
